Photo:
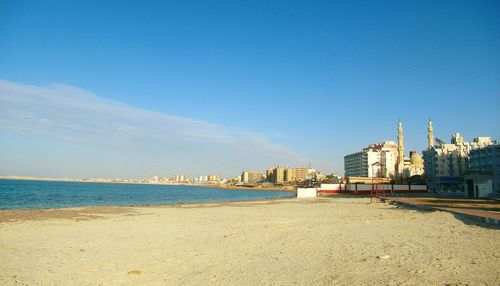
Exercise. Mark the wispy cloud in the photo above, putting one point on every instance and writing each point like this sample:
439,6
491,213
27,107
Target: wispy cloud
65,113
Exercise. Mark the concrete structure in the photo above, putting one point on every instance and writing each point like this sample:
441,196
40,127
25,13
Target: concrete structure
487,159
478,184
251,177
306,192
358,189
446,164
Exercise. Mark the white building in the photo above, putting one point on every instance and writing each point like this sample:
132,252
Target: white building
359,164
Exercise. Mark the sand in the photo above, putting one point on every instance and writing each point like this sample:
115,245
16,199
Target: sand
341,241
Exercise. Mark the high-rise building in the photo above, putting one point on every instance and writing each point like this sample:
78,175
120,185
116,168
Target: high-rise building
359,164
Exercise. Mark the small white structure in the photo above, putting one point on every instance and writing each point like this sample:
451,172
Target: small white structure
478,184
306,192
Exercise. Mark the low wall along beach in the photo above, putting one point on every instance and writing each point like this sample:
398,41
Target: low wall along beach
359,189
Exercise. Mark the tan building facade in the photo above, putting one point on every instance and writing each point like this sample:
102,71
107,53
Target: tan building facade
251,177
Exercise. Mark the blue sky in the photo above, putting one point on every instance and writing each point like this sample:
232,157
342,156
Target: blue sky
222,86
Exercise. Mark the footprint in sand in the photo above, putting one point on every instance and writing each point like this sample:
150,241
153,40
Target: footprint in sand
134,273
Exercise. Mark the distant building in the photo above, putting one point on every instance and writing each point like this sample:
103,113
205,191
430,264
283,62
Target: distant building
178,178
290,175
212,178
359,164
201,179
278,175
445,164
487,159
301,174
269,174
251,177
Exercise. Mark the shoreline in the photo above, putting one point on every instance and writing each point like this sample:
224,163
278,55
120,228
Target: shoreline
6,215
213,186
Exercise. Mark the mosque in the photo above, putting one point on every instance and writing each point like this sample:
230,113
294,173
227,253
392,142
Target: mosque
408,167
384,160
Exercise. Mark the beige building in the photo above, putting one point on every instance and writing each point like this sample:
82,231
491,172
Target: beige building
251,177
281,175
301,174
290,175
212,178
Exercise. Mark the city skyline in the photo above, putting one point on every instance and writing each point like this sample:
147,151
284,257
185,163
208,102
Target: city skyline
141,90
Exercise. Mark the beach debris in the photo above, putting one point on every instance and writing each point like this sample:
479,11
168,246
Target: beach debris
134,272
383,257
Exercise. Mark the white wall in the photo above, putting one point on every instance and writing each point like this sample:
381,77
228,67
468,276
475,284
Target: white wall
484,189
330,187
418,187
306,192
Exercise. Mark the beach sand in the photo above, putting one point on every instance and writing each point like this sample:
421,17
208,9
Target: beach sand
341,241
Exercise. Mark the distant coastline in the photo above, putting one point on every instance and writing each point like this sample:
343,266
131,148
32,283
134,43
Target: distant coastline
138,182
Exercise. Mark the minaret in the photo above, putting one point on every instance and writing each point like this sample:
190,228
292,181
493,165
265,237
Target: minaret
430,135
401,149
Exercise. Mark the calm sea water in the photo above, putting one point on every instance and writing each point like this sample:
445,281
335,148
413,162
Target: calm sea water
20,194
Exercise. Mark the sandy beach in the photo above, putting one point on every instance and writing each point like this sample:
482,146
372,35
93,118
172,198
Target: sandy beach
323,241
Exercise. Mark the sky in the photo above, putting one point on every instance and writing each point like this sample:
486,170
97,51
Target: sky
134,89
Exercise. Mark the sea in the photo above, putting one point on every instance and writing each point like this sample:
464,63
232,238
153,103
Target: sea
31,194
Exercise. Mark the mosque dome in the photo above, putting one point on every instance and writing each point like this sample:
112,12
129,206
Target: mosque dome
416,160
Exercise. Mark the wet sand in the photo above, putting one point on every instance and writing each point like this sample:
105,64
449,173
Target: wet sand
341,241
